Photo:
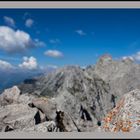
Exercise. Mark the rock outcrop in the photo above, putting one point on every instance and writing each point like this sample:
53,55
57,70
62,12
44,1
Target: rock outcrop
122,75
46,106
16,116
9,96
48,126
27,112
125,117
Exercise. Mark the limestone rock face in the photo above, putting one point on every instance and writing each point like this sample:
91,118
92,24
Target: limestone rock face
125,117
48,126
84,96
47,106
10,95
122,75
26,98
17,116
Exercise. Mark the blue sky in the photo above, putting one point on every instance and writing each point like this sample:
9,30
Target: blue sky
59,37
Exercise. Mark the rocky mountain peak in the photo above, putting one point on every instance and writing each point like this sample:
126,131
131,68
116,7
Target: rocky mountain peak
105,59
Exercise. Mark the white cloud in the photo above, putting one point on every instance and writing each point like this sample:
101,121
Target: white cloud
137,56
54,41
29,22
4,65
9,21
80,32
133,57
15,41
128,57
37,43
29,63
54,53
11,40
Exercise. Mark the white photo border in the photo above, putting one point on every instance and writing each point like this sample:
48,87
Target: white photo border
68,4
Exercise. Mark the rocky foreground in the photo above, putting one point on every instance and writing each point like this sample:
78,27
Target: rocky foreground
103,97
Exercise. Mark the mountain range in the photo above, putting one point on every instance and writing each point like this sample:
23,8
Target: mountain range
72,98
